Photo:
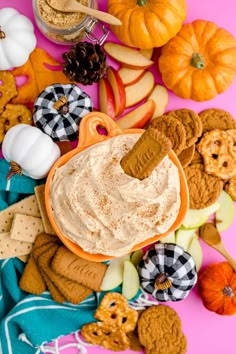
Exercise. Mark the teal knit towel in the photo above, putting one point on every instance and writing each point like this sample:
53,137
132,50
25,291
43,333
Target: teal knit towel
38,319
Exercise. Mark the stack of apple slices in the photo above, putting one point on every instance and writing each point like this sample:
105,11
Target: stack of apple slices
131,87
123,270
187,236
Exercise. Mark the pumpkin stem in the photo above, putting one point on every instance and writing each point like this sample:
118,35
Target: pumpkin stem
228,291
2,34
61,105
141,2
162,282
198,61
15,169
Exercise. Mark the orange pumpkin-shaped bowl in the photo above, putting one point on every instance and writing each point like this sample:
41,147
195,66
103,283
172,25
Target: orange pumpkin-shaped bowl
89,135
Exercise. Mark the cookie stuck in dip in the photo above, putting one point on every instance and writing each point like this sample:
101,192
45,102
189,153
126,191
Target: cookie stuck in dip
93,203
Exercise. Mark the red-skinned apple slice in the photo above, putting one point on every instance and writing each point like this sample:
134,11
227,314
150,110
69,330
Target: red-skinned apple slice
118,90
106,97
160,96
130,76
140,89
128,57
138,117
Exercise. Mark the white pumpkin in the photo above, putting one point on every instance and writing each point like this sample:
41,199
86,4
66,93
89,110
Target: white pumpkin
17,39
29,151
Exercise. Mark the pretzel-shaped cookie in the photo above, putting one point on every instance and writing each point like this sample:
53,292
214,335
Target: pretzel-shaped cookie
7,88
100,333
218,151
115,312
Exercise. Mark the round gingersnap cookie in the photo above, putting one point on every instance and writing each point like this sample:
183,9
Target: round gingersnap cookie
159,331
186,155
173,129
215,118
197,158
204,189
191,122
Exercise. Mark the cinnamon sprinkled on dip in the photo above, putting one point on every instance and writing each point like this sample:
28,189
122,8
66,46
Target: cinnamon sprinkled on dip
102,209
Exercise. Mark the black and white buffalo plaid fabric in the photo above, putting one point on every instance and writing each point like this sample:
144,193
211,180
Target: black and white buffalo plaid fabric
51,121
175,263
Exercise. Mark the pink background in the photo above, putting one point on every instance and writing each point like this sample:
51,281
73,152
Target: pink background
207,333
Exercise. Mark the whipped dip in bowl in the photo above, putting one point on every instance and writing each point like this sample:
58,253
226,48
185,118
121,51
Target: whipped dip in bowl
98,211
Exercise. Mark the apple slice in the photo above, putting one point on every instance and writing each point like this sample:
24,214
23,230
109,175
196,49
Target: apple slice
184,237
170,238
106,97
136,257
114,273
160,96
118,90
140,89
138,117
130,76
195,218
127,56
195,250
131,281
225,213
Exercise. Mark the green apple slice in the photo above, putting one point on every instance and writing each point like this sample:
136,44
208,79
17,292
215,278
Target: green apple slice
170,238
131,281
225,213
136,257
197,217
195,250
184,237
114,273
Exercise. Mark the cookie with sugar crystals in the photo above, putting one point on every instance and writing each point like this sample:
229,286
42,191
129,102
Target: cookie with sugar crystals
191,122
214,118
204,189
159,331
173,129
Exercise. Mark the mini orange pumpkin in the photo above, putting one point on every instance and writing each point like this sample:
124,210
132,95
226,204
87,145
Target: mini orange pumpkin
147,23
217,288
199,62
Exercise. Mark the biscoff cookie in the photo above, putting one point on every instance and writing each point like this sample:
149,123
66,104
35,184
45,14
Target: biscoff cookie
204,189
218,151
230,188
214,118
71,290
173,129
186,155
159,331
191,122
146,154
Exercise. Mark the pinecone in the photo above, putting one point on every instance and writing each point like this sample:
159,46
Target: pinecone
85,63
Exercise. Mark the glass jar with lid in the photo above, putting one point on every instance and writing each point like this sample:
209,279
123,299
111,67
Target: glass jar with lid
68,27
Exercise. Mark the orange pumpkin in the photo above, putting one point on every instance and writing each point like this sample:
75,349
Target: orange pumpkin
199,62
217,288
147,23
